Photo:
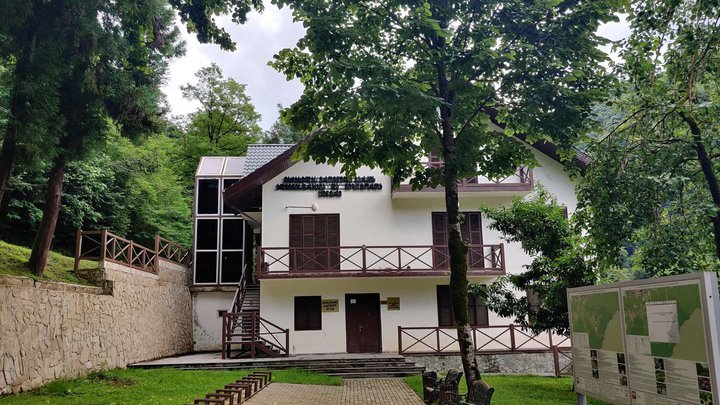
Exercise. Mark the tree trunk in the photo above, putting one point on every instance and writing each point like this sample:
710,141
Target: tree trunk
458,277
7,157
708,170
46,231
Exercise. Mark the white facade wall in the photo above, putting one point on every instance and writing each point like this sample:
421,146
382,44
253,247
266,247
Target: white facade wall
374,218
207,323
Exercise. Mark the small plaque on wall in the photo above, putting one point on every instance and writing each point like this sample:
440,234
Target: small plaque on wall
393,303
330,305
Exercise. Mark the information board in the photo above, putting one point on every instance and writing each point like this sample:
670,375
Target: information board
647,342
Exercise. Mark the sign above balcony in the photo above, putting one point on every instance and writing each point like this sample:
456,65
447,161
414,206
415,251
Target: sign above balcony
329,186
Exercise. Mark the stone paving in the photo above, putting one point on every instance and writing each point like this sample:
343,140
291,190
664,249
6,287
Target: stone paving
377,391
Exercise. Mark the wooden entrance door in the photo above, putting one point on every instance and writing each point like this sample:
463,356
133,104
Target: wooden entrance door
315,242
362,323
471,232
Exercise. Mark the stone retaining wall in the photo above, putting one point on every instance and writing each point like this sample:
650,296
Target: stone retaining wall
507,363
57,330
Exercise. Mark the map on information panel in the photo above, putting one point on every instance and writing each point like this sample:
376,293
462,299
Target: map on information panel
646,342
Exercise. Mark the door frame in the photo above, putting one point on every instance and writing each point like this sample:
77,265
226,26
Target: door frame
379,320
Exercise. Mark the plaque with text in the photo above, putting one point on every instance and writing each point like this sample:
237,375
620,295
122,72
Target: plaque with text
393,303
330,305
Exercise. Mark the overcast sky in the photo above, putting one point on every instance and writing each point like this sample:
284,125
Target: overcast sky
257,41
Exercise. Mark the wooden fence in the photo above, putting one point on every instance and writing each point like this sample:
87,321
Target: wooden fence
499,339
106,246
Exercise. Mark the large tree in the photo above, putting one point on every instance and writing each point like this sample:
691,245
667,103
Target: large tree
223,125
393,81
652,191
78,64
559,262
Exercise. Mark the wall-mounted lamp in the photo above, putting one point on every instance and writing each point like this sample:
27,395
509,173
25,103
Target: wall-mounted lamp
313,207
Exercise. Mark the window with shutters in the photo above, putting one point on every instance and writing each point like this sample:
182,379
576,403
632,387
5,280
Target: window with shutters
308,315
477,311
471,232
315,242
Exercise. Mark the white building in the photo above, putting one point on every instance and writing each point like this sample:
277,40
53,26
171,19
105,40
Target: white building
341,266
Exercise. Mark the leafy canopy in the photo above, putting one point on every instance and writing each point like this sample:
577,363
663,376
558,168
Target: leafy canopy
651,199
558,263
224,125
388,80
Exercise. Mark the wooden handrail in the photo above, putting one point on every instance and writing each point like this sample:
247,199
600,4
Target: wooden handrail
510,339
258,330
366,259
114,248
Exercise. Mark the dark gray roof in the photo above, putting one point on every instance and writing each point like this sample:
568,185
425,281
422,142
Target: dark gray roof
260,154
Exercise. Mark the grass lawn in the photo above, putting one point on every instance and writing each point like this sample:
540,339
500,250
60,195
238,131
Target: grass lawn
520,389
157,386
13,260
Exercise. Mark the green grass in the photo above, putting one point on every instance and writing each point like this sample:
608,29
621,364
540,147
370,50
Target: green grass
520,389
157,386
13,262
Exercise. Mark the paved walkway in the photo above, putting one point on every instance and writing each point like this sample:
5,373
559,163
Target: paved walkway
376,391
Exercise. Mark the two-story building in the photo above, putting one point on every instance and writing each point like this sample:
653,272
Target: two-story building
335,265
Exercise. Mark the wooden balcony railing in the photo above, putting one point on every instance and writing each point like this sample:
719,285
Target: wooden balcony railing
374,261
106,246
486,340
522,180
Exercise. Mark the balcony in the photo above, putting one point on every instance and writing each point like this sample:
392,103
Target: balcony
519,183
375,261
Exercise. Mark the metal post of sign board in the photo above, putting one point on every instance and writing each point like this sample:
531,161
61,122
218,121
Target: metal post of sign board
580,399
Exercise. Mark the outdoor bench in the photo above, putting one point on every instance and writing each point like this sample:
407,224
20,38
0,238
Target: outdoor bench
446,392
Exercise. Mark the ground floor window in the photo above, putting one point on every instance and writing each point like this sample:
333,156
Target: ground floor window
477,311
308,314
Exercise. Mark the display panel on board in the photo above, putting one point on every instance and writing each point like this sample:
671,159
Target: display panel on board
647,342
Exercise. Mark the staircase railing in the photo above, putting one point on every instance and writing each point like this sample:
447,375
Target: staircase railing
263,336
249,329
239,294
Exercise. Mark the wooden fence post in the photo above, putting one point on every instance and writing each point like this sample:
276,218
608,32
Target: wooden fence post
400,339
103,244
512,337
78,249
157,253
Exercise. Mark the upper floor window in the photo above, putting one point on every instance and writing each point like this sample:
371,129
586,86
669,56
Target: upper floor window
477,311
208,196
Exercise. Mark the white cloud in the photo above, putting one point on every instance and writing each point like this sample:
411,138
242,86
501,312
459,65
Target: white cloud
257,41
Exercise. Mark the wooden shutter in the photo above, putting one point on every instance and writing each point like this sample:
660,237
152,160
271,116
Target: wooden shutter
314,242
308,314
441,256
477,310
445,314
471,232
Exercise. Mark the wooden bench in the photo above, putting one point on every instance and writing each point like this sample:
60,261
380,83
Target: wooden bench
446,392
479,393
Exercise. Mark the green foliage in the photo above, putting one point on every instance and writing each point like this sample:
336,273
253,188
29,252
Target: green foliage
391,81
199,17
130,189
651,198
156,386
59,268
224,125
559,263
281,132
520,389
